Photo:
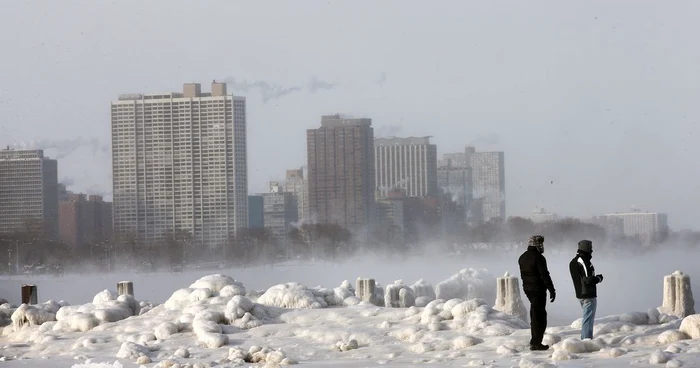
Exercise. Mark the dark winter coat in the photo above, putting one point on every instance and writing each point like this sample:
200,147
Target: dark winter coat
533,271
583,276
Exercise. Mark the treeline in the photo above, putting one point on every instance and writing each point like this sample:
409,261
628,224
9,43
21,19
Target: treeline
558,234
31,251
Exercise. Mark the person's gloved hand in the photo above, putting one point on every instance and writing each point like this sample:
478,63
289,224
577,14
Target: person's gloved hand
552,296
600,278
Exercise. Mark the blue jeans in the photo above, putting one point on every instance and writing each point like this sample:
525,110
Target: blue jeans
589,307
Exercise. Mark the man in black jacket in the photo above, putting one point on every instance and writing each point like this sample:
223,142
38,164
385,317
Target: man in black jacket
585,281
536,281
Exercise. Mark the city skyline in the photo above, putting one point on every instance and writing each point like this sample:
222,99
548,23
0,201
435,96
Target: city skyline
588,104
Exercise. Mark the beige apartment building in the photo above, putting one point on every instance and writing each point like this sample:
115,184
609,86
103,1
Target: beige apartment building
179,164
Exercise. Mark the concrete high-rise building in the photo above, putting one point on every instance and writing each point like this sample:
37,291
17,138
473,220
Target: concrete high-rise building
296,184
647,227
489,182
280,212
84,220
28,192
179,163
406,164
341,171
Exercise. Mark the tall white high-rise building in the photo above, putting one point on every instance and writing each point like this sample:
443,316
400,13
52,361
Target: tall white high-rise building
28,192
405,164
179,163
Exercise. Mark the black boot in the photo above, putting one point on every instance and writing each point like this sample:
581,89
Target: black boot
539,347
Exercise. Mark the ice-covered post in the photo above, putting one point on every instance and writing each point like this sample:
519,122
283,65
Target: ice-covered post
508,298
365,289
678,296
398,295
29,294
125,287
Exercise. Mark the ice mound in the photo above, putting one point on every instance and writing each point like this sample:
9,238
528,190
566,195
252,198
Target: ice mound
348,345
243,313
216,283
344,295
573,345
468,283
691,326
106,307
6,311
130,350
398,295
257,354
212,307
659,357
34,315
292,295
473,316
463,342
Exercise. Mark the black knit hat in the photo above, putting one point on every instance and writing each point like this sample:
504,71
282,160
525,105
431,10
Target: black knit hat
585,246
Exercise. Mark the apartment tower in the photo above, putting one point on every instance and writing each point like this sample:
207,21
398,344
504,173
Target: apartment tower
405,164
489,183
179,164
341,171
28,192
84,220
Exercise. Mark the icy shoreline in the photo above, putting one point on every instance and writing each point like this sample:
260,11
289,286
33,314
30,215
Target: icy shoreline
218,321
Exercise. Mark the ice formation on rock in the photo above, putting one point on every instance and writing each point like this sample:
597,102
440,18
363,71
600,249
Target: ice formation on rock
399,295
508,298
691,326
34,315
106,307
291,295
343,295
257,354
467,284
473,316
678,295
216,283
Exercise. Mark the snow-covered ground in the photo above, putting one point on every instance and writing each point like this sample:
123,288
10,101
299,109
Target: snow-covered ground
272,316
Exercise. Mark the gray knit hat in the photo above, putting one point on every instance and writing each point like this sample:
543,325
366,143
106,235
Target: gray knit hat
536,240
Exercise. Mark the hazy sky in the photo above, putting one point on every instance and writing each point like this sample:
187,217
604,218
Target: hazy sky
594,103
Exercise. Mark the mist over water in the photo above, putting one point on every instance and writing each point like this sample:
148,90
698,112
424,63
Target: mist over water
633,280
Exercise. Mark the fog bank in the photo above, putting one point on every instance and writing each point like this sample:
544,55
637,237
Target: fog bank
632,282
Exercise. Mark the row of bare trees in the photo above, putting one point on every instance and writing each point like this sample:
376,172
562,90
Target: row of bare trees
31,250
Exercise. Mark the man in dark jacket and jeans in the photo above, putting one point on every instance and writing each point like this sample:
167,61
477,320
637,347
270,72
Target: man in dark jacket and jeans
585,281
536,281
